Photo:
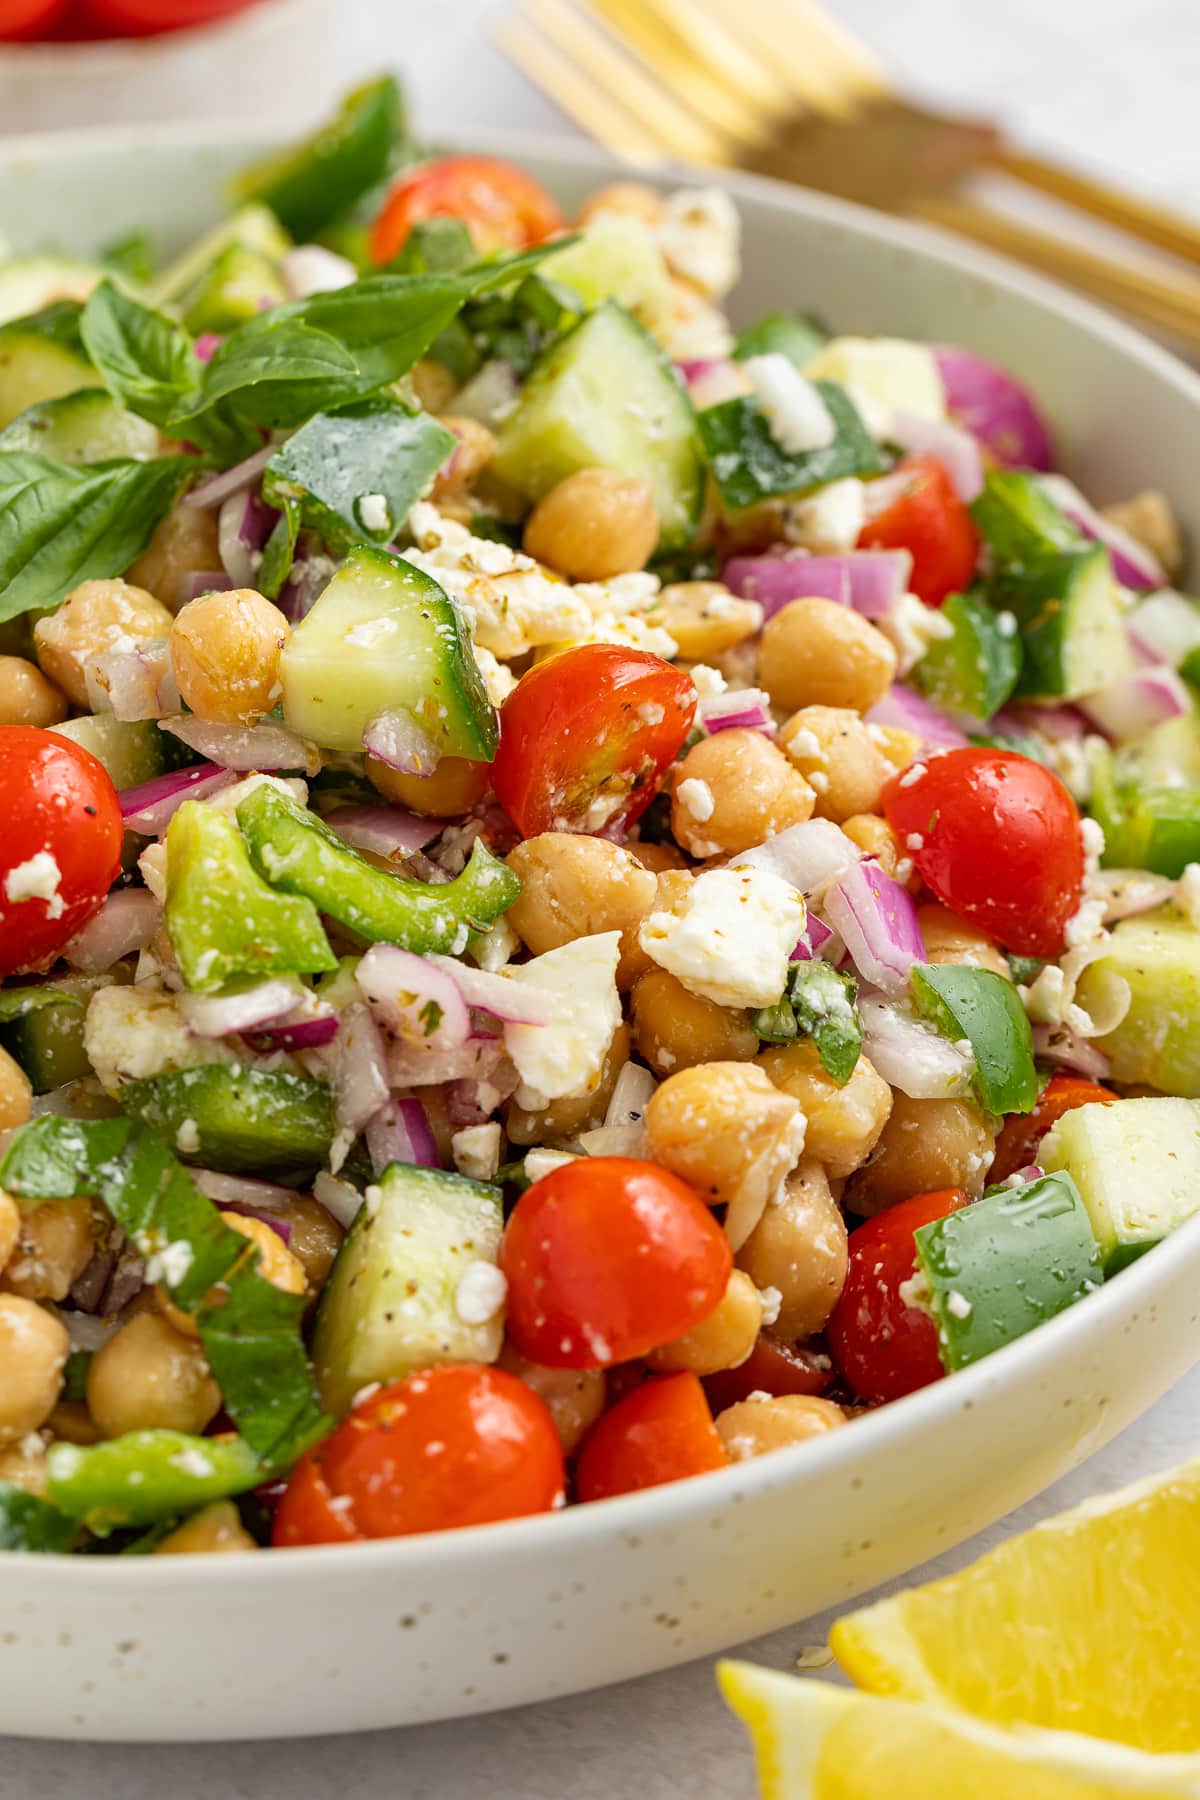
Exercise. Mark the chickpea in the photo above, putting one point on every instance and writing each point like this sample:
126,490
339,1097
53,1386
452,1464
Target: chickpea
949,938
766,1422
723,1340
462,468
575,1397
675,1029
33,1351
276,1263
1149,518
53,1247
728,1131
900,747
315,1240
875,836
184,543
594,524
817,653
705,619
27,697
433,385
215,1527
24,1466
95,618
453,788
798,1247
658,858
925,1145
834,751
148,1376
225,651
844,1122
72,1423
633,198
16,1096
752,789
10,1226
574,1113
573,886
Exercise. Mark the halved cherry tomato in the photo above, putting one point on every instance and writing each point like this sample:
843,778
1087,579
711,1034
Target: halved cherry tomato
928,518
605,1258
996,836
883,1346
61,846
146,18
29,18
502,206
772,1367
454,1445
1016,1146
587,737
663,1431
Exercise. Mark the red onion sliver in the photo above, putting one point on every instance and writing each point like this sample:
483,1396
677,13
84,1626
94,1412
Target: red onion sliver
1021,1177
128,683
1064,724
904,708
748,708
1165,628
710,380
243,526
245,1009
241,1190
302,1034
218,488
911,1055
994,407
360,1081
774,580
400,1133
383,830
126,921
245,747
1056,1044
207,345
1134,704
816,934
954,448
515,1002
149,808
397,739
1127,893
807,856
201,581
419,1002
877,921
1133,565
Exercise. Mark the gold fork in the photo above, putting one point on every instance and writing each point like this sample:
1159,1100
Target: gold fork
780,88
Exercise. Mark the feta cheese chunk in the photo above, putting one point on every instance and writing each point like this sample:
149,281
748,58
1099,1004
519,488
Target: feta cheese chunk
132,1032
798,416
476,1152
732,937
829,521
566,1058
699,232
36,879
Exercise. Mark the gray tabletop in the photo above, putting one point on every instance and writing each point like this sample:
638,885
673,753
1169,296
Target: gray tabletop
1113,86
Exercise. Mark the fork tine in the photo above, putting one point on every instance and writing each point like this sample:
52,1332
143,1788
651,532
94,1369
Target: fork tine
652,31
575,92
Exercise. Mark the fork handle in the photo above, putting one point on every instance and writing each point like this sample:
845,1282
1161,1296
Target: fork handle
1154,224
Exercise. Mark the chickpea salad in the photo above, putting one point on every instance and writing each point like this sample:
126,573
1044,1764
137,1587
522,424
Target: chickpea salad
586,894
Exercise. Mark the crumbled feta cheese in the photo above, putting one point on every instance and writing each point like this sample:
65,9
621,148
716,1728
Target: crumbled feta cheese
311,269
1092,833
1187,893
699,233
565,1058
191,1461
912,774
481,1292
152,867
911,627
829,521
374,514
36,879
915,1291
1084,924
227,800
795,411
130,1033
187,1137
497,679
169,1264
696,798
914,840
772,1304
708,682
476,1150
542,1161
693,330
806,743
957,1305
732,936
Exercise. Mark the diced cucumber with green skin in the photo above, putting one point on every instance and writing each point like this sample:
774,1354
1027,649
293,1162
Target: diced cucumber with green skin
605,396
749,466
797,337
1137,1165
88,426
986,1010
976,669
237,1119
35,368
1011,1261
1072,625
377,452
42,1027
1155,828
309,186
615,258
300,855
240,283
1168,755
222,918
1157,1043
390,1303
28,283
254,227
132,751
1018,520
383,634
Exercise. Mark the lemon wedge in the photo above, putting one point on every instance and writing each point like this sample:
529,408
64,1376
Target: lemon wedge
1088,1623
813,1741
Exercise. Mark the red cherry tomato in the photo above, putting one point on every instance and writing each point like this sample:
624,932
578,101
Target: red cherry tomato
1020,1135
29,18
451,1446
502,206
884,1347
996,836
772,1367
928,518
663,1431
61,846
147,18
605,1258
587,736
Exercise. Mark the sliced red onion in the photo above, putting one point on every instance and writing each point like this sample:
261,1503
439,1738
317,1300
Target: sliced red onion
126,921
383,830
300,1034
994,407
340,1200
1127,893
871,581
1134,704
1063,724
419,1065
808,856
632,1093
360,1081
490,395
911,1055
1056,1044
244,524
207,345
305,584
397,739
244,1009
815,935
241,1190
1133,565
418,1001
712,379
128,683
400,1133
877,921
199,581
956,450
218,488
514,1002
906,710
1165,628
149,807
244,747
746,708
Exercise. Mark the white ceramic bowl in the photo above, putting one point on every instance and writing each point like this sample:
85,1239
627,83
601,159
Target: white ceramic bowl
308,1641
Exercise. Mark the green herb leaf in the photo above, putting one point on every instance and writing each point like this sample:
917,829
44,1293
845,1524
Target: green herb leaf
314,183
279,551
147,1476
748,465
785,334
250,1329
329,467
439,246
823,1003
775,1024
27,1523
146,359
131,258
986,1010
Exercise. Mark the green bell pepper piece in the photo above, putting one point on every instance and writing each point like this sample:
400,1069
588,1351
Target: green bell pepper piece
974,670
245,1120
986,1010
148,1475
1018,520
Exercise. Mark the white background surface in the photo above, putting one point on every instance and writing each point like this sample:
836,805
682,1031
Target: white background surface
1111,84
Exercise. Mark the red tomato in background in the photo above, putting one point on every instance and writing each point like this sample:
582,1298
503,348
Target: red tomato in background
502,206
928,518
884,1347
450,1446
663,1431
1020,1135
587,737
146,18
606,1258
772,1367
996,836
62,833
29,18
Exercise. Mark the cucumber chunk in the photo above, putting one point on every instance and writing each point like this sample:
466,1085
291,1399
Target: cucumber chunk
1018,520
1158,1041
237,1119
606,396
1072,624
975,669
390,1303
615,258
132,751
240,283
28,283
34,367
1136,1164
42,1026
254,227
88,426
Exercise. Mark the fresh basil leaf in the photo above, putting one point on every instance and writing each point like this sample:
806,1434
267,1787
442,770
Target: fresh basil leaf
310,185
27,1523
775,1024
823,1002
796,336
986,1010
60,526
131,258
748,464
516,327
144,1477
435,247
250,1329
146,358
334,462
279,551
1024,968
